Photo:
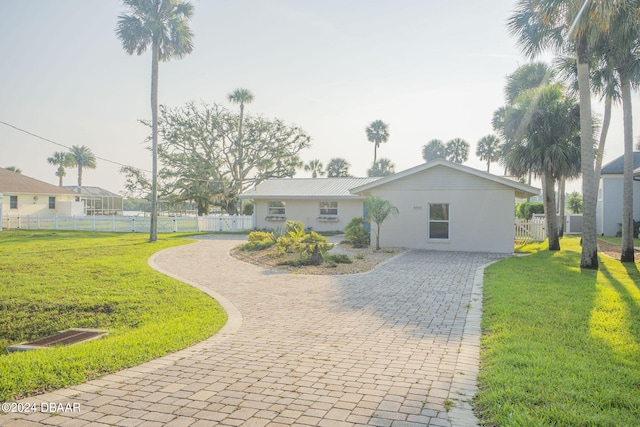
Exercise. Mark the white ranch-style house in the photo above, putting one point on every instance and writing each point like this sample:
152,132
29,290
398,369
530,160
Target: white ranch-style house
323,204
21,195
443,206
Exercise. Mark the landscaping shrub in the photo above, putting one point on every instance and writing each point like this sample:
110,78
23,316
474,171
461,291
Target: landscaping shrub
295,227
355,233
258,240
338,258
525,210
259,236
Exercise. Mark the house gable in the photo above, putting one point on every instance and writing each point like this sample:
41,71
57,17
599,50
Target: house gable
444,175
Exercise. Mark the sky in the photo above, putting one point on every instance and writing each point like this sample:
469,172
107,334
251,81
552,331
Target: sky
429,68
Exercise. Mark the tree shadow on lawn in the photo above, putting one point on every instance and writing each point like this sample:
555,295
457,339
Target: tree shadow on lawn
625,306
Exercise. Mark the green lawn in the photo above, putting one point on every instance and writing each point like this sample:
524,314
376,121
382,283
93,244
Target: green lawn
51,281
560,346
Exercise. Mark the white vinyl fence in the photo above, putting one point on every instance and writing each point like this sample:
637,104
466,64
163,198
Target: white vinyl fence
126,224
530,230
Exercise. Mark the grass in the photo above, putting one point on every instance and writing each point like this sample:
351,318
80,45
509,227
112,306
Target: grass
51,281
560,346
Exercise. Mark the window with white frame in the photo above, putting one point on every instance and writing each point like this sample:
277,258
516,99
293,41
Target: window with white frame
13,202
276,208
52,202
328,208
438,221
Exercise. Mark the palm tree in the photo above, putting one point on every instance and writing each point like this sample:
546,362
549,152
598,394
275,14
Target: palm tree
489,149
528,76
379,210
619,46
377,132
14,169
63,160
82,158
383,167
240,97
603,82
544,142
457,150
161,24
574,202
315,166
434,149
338,167
565,27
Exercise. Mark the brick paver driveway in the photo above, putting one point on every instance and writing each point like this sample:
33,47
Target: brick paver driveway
394,347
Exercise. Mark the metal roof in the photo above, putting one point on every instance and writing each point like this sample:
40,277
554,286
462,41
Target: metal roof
616,167
12,182
310,188
91,191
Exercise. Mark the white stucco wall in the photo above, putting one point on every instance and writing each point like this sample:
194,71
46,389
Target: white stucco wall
308,211
32,204
481,212
609,209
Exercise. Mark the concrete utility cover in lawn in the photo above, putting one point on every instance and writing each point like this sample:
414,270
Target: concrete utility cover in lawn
66,337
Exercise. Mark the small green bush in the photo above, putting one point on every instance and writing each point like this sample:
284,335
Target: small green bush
248,209
338,258
259,236
295,227
284,244
525,210
295,262
355,233
258,240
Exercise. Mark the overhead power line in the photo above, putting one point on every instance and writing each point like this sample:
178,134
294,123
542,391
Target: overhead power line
67,147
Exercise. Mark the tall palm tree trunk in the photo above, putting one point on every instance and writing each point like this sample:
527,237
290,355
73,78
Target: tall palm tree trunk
627,254
548,186
155,59
561,202
375,153
240,162
589,257
604,130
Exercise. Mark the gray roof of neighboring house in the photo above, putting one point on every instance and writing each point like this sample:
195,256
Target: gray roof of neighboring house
616,167
91,191
310,188
12,182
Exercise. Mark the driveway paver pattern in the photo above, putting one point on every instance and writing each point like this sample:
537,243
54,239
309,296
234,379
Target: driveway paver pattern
397,346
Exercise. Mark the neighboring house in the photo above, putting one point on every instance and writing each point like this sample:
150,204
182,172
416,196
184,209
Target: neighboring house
609,206
443,206
22,196
324,204
98,201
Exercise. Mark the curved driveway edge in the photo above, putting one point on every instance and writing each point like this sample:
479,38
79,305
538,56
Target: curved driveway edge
393,347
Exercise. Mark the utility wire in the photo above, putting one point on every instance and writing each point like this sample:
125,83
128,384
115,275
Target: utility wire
67,147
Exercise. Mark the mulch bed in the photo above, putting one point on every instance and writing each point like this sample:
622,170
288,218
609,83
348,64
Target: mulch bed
613,250
364,259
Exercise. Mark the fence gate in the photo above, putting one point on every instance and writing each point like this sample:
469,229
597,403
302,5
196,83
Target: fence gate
530,230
